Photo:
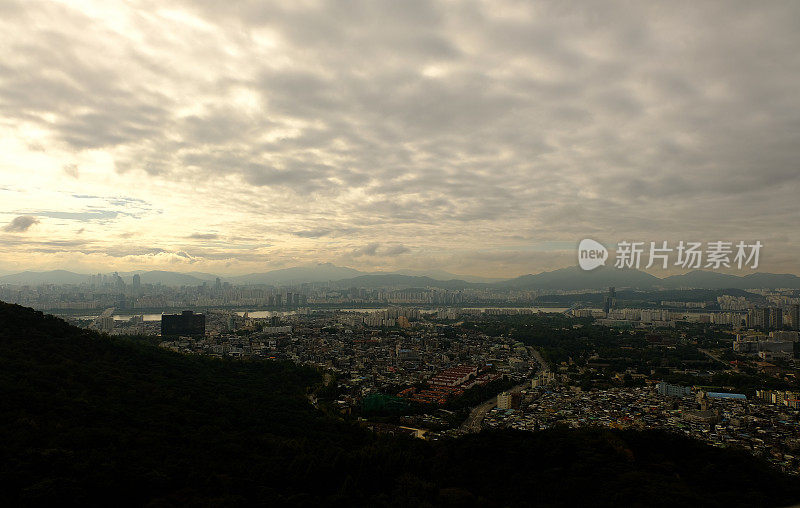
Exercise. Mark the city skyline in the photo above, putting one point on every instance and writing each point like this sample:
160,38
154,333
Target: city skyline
483,139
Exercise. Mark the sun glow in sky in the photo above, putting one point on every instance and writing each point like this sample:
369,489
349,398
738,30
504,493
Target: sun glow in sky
473,137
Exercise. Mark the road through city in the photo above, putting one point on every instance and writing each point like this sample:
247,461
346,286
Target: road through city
474,421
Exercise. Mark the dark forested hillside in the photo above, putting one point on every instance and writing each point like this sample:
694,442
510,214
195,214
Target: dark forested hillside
87,419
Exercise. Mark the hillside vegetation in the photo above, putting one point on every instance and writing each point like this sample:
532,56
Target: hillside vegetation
92,420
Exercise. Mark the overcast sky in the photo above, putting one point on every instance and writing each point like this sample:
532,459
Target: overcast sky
481,138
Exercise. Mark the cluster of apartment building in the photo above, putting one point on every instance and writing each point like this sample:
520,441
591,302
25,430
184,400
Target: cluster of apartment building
767,430
779,397
366,360
659,317
768,346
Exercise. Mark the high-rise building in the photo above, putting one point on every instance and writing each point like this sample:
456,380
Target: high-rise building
508,400
765,318
794,317
758,318
186,323
137,281
504,401
106,323
775,318
610,300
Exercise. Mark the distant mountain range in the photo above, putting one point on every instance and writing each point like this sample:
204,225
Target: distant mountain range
567,279
51,277
715,280
573,278
64,277
442,275
327,272
322,272
405,281
169,278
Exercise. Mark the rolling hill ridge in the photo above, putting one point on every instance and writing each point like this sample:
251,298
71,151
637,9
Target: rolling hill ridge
570,278
92,420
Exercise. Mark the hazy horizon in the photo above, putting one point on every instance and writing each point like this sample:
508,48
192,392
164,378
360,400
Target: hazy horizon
433,273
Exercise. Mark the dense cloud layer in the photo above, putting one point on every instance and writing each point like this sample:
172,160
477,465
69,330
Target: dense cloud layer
469,136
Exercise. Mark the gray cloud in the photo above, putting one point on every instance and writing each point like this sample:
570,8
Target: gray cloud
85,216
312,233
376,249
367,250
332,229
97,210
120,251
20,224
431,123
395,250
